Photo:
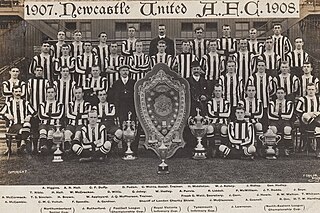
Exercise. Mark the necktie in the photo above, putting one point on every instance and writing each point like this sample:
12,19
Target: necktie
299,59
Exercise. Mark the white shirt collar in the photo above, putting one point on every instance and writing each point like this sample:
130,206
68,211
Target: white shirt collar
197,78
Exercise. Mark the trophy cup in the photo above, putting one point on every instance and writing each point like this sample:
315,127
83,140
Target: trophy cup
270,139
129,133
198,126
163,168
57,140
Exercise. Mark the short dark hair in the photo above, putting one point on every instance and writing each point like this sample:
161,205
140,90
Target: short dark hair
198,28
16,87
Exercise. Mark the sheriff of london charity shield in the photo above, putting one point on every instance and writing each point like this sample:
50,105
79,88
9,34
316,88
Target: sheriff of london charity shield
162,101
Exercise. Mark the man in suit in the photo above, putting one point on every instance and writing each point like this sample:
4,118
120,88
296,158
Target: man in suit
162,36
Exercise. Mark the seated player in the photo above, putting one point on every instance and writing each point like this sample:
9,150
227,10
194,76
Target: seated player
107,116
241,137
77,115
218,112
18,113
253,112
50,114
90,142
280,114
308,108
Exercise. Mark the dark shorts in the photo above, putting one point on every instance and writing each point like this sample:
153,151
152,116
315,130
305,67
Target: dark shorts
15,128
110,126
280,124
74,129
46,127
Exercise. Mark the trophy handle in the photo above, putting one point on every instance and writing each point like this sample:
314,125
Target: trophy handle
278,139
261,137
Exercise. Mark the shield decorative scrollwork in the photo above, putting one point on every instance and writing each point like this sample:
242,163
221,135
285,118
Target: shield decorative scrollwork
162,101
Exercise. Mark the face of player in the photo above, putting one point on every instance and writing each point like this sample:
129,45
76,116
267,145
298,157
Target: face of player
103,38
251,91
38,72
253,34
124,72
17,93
65,51
261,67
77,36
199,34
95,71
139,47
113,48
298,43
231,68
93,118
284,68
226,30
87,47
240,114
213,46
277,29
269,44
280,94
243,45
217,92
14,73
45,48
78,93
185,47
161,48
65,72
196,71
311,91
307,68
131,32
102,95
61,36
162,30
51,94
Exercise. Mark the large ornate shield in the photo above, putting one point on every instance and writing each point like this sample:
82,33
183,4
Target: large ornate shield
162,101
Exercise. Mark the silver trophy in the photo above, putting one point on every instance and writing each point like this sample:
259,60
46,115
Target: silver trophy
58,138
198,126
129,134
270,140
163,168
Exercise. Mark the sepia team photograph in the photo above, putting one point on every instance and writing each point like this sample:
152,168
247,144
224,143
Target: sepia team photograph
104,95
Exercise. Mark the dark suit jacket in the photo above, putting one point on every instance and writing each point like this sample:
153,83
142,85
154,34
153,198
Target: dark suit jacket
122,95
154,42
198,88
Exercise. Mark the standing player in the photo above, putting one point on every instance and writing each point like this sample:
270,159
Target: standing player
241,136
212,63
139,62
282,44
91,143
254,45
50,113
45,60
307,78
112,63
162,56
84,64
199,44
128,46
76,47
13,81
280,114
102,50
183,60
65,60
226,44
219,113
297,57
232,86
56,49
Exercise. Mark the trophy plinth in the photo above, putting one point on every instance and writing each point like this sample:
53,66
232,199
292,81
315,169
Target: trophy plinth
163,168
270,140
58,140
198,126
129,134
